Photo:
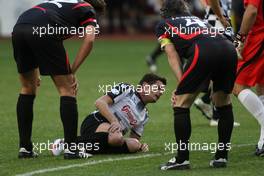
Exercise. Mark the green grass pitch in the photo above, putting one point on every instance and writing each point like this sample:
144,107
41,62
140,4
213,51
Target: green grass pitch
115,61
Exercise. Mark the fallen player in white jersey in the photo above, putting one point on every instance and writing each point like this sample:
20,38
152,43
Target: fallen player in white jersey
121,110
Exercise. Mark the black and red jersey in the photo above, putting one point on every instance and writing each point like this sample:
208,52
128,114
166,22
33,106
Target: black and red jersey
65,13
184,31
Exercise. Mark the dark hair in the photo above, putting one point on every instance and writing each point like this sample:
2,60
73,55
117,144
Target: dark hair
172,8
98,5
151,78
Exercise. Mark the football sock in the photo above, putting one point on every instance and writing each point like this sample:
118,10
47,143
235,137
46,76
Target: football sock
262,99
254,105
69,118
98,141
225,128
118,149
25,119
155,54
182,130
207,97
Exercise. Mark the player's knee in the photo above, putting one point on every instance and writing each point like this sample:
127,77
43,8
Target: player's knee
66,91
221,99
133,145
183,102
115,139
29,89
237,89
64,85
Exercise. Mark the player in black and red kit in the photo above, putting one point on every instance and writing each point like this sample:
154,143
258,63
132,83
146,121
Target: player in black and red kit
45,54
211,57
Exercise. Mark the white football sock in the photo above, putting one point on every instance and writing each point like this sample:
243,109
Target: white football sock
254,105
261,97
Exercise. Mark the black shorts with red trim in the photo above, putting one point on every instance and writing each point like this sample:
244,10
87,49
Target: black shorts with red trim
32,51
213,60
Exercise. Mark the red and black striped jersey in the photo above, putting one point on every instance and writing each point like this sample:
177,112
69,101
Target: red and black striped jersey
65,13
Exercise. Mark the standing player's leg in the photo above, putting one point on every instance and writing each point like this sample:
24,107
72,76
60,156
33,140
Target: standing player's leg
29,78
223,78
29,83
182,130
68,110
254,105
223,109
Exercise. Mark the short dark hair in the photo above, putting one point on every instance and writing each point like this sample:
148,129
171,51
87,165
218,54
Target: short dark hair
151,78
172,8
98,5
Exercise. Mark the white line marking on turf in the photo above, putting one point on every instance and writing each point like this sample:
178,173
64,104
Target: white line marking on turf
41,171
88,164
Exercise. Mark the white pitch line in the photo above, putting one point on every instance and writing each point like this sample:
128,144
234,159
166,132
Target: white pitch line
41,171
88,164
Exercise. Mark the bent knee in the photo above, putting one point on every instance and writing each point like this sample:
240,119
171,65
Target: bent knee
116,139
133,145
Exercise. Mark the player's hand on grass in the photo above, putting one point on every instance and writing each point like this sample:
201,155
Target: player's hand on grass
239,44
144,147
114,127
75,85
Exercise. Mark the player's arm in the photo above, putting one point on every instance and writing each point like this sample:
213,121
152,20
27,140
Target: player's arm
102,104
134,135
174,60
249,19
215,5
85,48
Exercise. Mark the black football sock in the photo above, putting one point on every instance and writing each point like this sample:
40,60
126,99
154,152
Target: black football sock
25,119
182,129
69,118
207,97
156,53
95,143
225,128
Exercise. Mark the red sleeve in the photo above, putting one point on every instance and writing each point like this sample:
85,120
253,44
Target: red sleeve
256,3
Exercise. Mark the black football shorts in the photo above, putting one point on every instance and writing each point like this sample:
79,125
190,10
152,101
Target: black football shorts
213,60
32,51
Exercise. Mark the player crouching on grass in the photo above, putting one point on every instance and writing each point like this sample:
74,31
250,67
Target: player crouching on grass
120,110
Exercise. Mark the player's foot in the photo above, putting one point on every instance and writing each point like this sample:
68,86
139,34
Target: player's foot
57,147
173,165
236,124
214,123
151,63
259,152
219,163
23,153
206,109
79,154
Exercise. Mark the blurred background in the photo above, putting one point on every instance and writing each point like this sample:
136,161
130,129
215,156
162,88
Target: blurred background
122,16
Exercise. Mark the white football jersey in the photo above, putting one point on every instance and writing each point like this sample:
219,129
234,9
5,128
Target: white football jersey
128,108
212,19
